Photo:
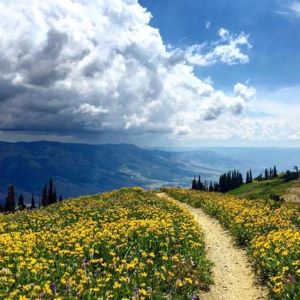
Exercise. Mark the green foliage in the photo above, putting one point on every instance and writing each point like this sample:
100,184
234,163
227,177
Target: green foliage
263,189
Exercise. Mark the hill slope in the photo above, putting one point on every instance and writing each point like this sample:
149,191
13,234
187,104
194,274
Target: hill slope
126,244
263,189
86,169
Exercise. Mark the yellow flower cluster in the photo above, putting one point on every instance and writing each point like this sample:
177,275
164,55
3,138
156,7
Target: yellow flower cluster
271,231
126,244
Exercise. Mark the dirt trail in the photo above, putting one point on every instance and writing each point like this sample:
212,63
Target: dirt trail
292,195
233,276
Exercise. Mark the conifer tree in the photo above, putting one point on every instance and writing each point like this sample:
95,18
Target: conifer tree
247,178
266,174
32,206
10,199
194,184
51,191
21,203
211,187
275,172
250,177
199,184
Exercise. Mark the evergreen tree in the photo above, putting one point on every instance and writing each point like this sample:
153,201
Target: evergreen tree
216,187
51,191
21,203
10,199
194,184
240,179
44,200
266,174
60,197
200,185
211,187
32,206
271,175
250,177
275,172
247,178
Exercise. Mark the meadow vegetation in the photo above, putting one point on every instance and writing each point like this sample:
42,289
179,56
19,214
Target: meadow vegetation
263,189
270,231
126,244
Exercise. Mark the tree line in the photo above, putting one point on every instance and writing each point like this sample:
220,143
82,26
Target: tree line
234,179
227,181
268,174
49,196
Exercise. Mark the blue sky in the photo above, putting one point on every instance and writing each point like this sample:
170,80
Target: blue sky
154,73
273,32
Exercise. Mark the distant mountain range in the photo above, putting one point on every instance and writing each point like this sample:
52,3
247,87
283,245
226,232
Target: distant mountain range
86,169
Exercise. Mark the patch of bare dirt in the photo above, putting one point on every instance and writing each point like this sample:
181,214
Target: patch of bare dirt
292,195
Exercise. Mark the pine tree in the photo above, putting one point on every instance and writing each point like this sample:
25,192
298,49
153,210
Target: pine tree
266,174
247,178
10,199
211,187
199,184
250,177
240,179
44,200
21,203
194,184
275,172
51,191
32,206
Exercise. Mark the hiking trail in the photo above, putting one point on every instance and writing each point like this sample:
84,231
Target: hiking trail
233,276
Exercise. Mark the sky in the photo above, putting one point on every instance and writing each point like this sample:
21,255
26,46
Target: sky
172,73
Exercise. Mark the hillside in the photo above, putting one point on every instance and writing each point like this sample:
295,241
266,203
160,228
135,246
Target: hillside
126,244
137,244
86,169
289,191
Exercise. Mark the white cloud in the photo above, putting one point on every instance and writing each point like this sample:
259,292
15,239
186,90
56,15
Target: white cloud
244,91
295,7
98,65
289,8
227,50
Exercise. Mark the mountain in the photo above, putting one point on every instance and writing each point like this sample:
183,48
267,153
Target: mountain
86,169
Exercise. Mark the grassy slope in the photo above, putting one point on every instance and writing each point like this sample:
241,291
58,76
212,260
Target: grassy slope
119,245
262,189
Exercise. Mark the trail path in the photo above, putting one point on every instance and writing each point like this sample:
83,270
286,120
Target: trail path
233,276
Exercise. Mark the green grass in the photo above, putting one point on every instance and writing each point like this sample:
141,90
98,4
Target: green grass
263,189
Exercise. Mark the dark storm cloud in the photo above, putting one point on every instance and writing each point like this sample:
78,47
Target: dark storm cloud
97,66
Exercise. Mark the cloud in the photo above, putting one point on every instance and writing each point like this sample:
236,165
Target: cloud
227,50
295,7
207,25
289,8
95,66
